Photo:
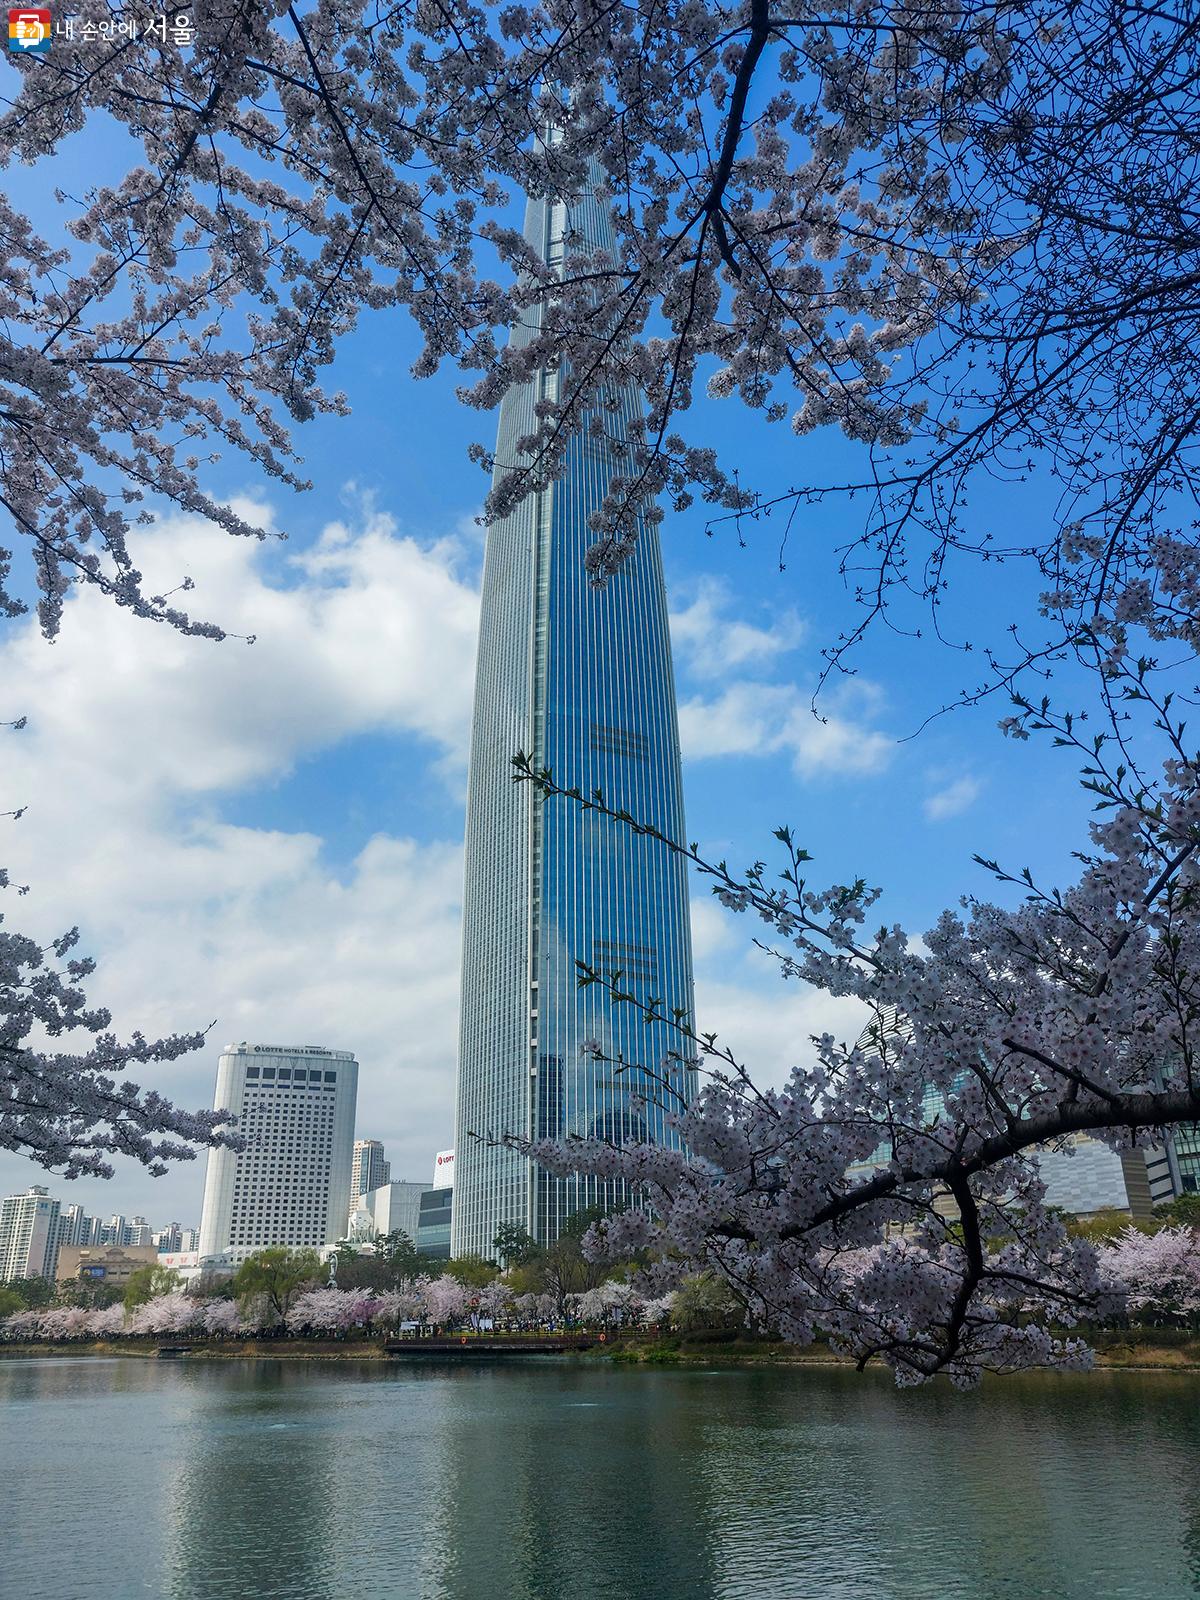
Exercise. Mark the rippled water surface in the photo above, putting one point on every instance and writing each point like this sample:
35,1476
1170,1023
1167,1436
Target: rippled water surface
221,1480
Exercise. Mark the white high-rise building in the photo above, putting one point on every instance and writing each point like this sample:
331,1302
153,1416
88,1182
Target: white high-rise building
291,1185
370,1170
28,1235
115,1230
74,1225
168,1239
138,1231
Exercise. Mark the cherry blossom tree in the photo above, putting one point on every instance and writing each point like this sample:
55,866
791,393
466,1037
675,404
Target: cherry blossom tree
1158,1272
62,1322
220,1317
536,1310
320,1310
21,1325
495,1302
961,235
72,1111
168,1313
106,1322
889,1196
593,1306
657,1310
325,1310
964,237
608,1304
445,1301
403,1304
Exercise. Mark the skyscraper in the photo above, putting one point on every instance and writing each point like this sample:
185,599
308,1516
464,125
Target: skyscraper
291,1184
369,1169
580,679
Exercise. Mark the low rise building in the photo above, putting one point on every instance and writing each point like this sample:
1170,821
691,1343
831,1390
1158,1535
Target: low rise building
190,1264
105,1263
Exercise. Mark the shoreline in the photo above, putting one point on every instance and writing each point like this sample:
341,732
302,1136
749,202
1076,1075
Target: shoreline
1121,1355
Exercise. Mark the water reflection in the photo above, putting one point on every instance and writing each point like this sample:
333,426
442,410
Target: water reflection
252,1499
579,1482
310,1482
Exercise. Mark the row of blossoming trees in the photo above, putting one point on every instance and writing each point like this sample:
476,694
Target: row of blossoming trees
430,1304
1148,1278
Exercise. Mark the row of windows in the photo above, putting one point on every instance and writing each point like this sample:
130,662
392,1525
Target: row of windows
291,1074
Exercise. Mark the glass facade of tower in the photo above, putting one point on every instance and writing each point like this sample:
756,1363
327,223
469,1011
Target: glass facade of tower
580,678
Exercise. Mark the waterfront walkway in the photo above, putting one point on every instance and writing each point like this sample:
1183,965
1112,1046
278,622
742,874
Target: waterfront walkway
487,1347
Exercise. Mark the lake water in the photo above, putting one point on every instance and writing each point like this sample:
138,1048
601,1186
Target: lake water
207,1480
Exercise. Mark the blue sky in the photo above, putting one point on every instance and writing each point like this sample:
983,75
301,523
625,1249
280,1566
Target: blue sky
269,835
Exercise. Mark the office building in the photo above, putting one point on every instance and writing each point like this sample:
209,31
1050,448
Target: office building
1180,1157
291,1185
580,679
434,1223
369,1170
443,1170
1083,1175
392,1206
28,1235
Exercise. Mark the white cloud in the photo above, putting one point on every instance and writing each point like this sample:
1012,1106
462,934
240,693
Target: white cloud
761,719
709,643
713,929
367,631
952,800
134,736
769,1024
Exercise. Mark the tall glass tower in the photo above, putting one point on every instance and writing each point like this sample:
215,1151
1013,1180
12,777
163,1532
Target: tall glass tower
580,678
